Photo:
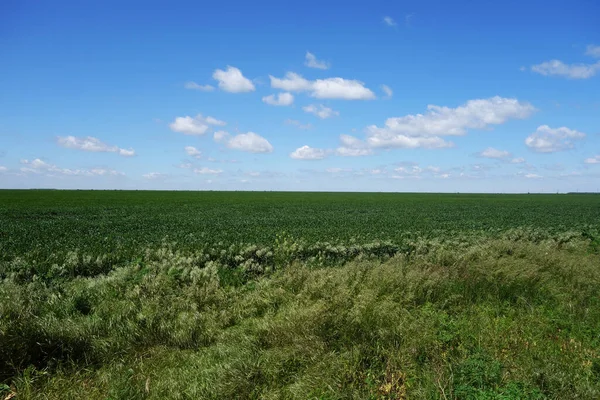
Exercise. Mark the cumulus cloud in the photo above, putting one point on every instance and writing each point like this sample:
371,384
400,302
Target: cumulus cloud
297,124
518,160
417,172
330,88
193,152
282,99
207,171
533,176
195,86
213,121
3,168
389,21
308,153
352,147
249,142
233,81
491,152
571,71
320,111
155,176
92,144
38,166
312,62
549,140
593,160
426,130
197,125
593,51
388,91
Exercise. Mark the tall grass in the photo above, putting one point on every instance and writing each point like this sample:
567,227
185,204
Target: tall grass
516,317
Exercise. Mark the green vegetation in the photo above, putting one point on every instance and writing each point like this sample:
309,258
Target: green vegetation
124,295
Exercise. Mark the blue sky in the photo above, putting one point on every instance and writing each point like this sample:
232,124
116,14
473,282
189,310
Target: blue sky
269,95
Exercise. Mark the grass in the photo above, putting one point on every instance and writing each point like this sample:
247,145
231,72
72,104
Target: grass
506,313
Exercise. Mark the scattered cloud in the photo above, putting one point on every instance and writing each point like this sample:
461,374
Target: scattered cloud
389,21
249,142
491,152
330,88
593,160
417,172
197,125
308,153
195,86
38,166
233,81
3,168
207,171
92,144
388,91
550,140
352,147
518,160
350,152
571,71
193,152
408,19
320,111
592,51
214,121
155,176
312,62
532,176
297,124
426,130
282,99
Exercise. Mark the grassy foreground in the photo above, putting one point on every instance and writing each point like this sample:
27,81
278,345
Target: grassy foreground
511,317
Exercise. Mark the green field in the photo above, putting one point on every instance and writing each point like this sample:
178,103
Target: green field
116,294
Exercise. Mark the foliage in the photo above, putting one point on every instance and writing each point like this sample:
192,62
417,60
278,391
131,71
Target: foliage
295,310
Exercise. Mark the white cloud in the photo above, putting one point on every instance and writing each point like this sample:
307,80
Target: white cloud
571,71
339,88
312,62
330,88
3,168
193,152
38,166
308,153
197,125
387,90
491,152
195,86
220,136
350,152
207,171
593,51
249,142
232,80
533,176
320,111
352,147
593,160
425,130
92,144
549,140
389,21
298,124
213,121
518,160
282,99
155,176
292,82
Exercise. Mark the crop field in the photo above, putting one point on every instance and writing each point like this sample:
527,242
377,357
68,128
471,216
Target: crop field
267,295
